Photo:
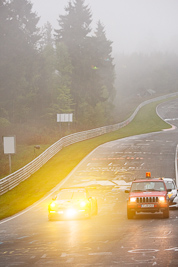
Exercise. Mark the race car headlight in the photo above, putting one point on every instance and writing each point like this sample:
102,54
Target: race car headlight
52,205
162,199
71,212
82,204
133,199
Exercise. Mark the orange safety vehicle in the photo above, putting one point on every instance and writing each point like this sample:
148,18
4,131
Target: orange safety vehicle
148,195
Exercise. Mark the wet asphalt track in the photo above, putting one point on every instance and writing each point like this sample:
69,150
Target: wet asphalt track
108,239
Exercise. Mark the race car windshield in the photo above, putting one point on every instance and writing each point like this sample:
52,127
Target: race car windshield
64,194
147,186
79,195
69,194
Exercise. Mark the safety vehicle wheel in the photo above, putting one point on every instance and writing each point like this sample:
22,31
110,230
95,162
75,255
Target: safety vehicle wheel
130,214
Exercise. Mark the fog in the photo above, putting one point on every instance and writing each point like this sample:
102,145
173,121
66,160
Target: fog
132,25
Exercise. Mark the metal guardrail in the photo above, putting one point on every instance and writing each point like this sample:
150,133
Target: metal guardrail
9,182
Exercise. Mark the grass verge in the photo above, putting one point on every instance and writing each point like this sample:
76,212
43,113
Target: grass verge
24,154
56,169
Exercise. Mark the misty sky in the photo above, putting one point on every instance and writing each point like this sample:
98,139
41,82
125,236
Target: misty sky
132,25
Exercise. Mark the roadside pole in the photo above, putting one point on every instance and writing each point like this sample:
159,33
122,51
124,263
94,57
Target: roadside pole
9,143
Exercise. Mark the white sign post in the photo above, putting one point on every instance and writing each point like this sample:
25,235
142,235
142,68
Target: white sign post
65,117
9,144
68,117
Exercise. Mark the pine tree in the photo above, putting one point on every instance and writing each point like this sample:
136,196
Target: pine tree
62,99
104,62
93,70
64,70
45,80
74,26
73,32
47,35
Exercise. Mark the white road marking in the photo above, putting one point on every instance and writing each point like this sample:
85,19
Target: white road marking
172,249
158,237
70,260
63,255
22,237
143,250
166,234
32,241
173,119
100,253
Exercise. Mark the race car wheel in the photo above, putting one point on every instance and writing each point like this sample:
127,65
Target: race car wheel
130,214
50,218
166,213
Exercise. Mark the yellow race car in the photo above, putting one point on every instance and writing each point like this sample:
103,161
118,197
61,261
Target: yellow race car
72,203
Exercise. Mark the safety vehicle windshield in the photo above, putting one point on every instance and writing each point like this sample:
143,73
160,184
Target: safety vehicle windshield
148,186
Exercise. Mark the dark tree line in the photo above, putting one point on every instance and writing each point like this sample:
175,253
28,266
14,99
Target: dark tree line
18,42
44,72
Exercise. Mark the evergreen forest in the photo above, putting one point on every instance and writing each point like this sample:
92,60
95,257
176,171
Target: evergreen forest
46,71
69,69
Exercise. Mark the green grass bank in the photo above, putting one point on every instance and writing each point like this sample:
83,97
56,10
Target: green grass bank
56,169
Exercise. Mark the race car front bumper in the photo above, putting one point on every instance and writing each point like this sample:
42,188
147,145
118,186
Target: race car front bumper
71,213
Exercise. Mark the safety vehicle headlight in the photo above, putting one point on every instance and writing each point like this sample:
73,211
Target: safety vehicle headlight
162,199
133,199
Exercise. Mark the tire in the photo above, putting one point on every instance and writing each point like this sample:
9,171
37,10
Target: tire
130,214
166,213
52,218
49,218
